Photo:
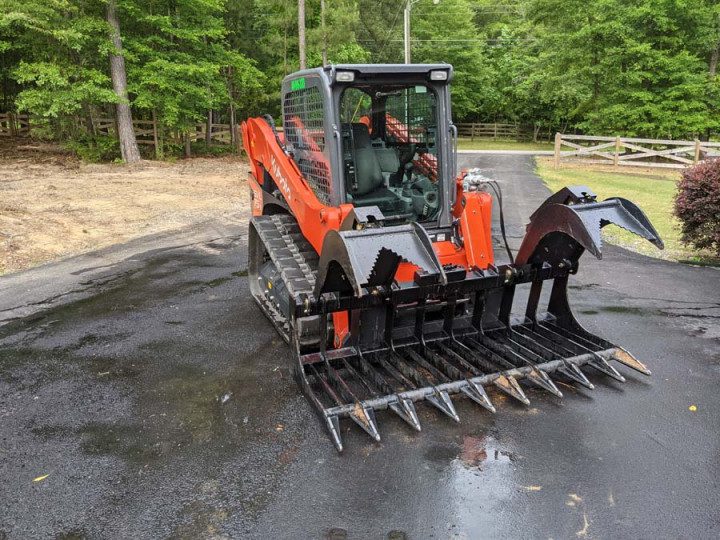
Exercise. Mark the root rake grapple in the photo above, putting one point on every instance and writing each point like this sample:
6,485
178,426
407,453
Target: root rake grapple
374,260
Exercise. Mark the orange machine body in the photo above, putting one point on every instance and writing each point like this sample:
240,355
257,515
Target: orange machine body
472,210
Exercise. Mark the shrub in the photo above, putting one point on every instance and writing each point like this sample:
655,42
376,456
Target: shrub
95,149
698,205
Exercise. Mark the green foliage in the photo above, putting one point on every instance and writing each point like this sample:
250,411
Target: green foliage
95,149
607,66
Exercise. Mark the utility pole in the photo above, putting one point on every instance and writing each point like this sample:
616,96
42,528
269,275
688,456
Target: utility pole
406,30
301,32
406,25
324,35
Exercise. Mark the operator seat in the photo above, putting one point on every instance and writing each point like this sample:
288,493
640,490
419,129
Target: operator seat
369,188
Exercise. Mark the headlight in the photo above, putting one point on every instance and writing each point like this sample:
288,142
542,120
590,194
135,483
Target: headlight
345,76
438,75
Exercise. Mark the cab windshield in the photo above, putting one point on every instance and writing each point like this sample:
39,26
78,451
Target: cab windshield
390,157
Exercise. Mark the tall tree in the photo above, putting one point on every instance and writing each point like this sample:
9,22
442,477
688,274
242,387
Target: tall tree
126,134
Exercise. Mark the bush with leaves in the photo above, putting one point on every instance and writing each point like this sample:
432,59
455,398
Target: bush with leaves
698,205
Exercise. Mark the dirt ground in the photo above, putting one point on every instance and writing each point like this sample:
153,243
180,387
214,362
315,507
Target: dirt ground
52,205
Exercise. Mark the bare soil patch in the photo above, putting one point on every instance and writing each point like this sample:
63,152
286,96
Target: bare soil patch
52,205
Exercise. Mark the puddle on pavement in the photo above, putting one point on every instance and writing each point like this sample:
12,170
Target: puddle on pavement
482,452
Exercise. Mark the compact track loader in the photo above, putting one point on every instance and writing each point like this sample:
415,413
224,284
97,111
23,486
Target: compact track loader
374,259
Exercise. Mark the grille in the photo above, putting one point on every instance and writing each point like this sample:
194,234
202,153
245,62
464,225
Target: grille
304,129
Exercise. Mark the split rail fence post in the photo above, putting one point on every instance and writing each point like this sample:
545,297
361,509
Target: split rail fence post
238,139
155,135
616,158
558,143
697,151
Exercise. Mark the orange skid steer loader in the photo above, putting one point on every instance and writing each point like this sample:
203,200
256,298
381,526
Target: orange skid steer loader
374,260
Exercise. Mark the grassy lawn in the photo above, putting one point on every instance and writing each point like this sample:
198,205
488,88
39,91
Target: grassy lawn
653,190
490,144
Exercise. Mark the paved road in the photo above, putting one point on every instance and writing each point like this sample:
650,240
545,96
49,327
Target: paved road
159,403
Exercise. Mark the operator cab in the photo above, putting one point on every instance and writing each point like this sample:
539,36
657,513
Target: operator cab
389,149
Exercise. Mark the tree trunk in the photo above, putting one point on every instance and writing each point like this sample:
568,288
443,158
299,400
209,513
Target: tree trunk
714,60
128,144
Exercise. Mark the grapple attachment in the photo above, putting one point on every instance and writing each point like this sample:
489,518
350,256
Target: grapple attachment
450,331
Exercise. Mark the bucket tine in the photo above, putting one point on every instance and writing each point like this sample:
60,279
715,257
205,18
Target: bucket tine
536,376
543,380
333,425
571,371
365,418
627,359
442,401
509,385
476,392
602,366
440,398
362,415
405,409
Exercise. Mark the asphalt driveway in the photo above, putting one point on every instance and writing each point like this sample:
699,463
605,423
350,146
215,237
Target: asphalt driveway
159,403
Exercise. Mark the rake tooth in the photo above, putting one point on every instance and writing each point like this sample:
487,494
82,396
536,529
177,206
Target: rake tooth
510,386
543,380
442,401
477,393
365,418
573,372
333,425
625,358
602,366
405,409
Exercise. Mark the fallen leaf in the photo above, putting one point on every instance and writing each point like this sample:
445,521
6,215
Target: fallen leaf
692,408
40,478
532,488
279,428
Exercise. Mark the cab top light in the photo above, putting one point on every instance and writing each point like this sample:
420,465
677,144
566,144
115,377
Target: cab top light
345,76
438,75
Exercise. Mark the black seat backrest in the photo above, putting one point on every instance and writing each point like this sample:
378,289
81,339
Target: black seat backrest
368,175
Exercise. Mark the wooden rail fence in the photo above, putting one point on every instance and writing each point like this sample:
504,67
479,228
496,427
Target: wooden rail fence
146,132
629,152
492,131
14,125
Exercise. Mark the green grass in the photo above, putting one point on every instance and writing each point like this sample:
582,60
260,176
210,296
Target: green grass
489,144
652,190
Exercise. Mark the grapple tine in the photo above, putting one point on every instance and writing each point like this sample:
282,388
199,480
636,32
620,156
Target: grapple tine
602,366
510,386
405,409
543,380
442,401
627,359
365,418
333,424
571,371
476,392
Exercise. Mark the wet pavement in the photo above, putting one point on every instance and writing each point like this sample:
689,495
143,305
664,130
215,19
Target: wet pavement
159,403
